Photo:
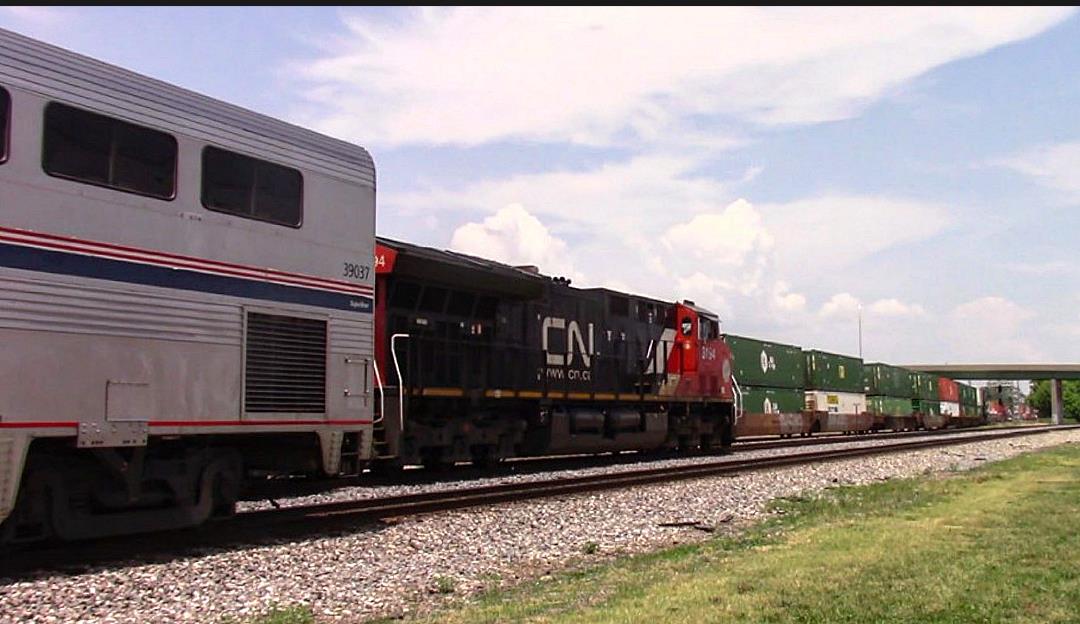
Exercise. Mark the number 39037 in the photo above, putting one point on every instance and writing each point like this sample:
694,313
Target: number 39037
357,271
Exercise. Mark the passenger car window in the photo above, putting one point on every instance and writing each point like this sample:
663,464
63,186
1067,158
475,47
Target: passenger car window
251,188
95,149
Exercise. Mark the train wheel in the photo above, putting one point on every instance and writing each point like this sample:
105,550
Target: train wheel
32,518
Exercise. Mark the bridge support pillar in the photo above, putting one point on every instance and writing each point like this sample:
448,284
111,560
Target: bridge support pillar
1056,402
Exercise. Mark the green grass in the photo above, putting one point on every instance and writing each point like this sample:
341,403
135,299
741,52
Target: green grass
999,544
296,614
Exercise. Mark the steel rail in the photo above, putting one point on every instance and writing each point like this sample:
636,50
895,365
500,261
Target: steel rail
460,498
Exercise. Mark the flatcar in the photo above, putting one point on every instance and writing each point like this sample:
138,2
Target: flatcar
186,299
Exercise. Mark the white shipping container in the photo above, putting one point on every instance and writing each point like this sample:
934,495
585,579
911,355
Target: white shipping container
948,408
835,402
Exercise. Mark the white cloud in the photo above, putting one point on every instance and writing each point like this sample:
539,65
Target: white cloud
515,237
657,227
826,233
841,305
727,237
895,308
601,75
1052,166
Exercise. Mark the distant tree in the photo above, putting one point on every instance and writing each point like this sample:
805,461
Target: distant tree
1070,393
1039,398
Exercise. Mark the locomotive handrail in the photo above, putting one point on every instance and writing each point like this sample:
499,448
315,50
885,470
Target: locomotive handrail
382,394
738,399
401,382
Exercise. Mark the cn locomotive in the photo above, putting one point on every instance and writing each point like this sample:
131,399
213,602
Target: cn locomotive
484,361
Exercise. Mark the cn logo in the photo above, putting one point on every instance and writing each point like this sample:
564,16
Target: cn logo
575,341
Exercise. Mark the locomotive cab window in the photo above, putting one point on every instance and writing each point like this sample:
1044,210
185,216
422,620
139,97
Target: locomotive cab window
5,119
687,325
251,188
95,149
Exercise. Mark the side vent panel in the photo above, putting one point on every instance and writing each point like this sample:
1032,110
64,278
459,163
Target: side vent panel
285,364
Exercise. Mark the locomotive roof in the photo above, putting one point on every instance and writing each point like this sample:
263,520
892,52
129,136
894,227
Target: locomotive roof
457,268
77,79
462,269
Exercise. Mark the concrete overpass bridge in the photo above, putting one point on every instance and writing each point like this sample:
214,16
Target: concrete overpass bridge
1019,372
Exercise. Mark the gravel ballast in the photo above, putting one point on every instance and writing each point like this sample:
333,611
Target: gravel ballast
401,567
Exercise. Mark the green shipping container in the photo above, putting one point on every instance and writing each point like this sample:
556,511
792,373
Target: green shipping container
766,364
924,386
772,400
829,371
886,380
889,406
927,406
968,394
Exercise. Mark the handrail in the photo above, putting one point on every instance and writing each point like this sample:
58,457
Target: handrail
738,399
382,393
401,382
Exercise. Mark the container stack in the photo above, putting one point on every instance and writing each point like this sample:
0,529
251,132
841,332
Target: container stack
770,376
888,397
835,392
949,395
924,394
969,405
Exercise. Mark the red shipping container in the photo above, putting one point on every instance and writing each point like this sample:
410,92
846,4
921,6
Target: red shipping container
948,390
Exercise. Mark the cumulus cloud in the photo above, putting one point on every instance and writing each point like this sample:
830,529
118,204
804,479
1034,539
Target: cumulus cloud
840,305
1051,166
895,308
598,75
514,236
656,226
726,237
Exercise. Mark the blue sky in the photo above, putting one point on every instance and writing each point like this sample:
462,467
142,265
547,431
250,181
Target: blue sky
781,166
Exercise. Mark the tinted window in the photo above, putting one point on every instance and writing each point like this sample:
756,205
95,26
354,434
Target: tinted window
251,188
5,119
100,150
618,306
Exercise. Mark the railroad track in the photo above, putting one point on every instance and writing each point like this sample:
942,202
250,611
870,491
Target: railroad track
531,465
753,444
289,523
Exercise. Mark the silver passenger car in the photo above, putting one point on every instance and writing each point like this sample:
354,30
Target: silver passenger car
185,299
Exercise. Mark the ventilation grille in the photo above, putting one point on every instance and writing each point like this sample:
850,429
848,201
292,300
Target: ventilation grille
286,364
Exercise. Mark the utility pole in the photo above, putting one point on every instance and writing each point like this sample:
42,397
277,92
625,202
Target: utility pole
860,331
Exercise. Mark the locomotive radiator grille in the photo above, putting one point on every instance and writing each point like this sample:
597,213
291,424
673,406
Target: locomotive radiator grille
285,368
